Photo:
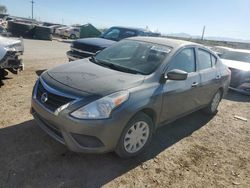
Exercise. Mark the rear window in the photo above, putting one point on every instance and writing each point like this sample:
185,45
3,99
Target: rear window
206,59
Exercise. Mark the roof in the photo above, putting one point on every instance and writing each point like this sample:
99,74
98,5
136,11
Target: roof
164,41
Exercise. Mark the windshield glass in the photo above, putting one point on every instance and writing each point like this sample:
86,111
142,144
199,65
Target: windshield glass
133,56
111,34
237,56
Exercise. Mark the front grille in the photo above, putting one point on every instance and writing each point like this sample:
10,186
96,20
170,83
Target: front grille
79,54
86,47
53,101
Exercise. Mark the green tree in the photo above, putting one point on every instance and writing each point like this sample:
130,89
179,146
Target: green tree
3,9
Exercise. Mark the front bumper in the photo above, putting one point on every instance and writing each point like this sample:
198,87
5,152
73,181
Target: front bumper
240,81
88,136
72,56
243,88
11,61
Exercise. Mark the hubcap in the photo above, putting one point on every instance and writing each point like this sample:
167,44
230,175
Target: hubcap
136,137
215,102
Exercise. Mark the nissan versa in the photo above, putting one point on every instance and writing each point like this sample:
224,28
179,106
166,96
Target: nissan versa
115,100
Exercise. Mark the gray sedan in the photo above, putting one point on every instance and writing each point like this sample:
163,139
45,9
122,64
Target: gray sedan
115,100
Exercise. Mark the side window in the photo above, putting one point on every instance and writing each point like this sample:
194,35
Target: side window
184,60
214,60
205,60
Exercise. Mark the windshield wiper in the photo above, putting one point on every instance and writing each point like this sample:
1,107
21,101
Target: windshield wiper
123,69
114,66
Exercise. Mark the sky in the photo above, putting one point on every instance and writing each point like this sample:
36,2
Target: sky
222,18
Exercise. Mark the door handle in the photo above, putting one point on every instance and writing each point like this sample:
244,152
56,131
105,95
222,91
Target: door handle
194,84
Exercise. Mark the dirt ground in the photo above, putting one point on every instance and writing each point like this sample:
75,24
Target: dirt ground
195,151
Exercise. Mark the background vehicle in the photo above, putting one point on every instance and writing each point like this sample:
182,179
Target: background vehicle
238,62
116,99
3,32
60,31
72,33
10,50
87,47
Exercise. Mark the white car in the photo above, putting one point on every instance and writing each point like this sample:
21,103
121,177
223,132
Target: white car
72,32
238,61
60,31
10,50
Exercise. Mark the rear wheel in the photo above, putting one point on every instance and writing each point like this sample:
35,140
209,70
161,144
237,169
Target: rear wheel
211,109
135,137
72,36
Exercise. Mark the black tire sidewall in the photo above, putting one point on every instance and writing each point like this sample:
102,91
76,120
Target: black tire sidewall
72,36
208,109
120,150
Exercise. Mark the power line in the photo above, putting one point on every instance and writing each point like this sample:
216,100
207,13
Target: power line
32,7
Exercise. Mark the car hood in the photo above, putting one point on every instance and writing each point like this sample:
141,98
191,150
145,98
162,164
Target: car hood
100,42
240,65
4,41
89,77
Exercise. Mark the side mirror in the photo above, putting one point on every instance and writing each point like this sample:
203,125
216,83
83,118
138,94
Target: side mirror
176,74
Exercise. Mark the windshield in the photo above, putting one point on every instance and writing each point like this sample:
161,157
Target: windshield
133,56
236,56
117,34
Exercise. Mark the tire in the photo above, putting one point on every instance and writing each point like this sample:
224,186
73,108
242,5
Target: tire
124,149
72,36
211,109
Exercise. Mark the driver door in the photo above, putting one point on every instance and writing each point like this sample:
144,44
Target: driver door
180,97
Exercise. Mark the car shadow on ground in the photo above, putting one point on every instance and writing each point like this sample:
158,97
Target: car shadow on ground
29,157
237,97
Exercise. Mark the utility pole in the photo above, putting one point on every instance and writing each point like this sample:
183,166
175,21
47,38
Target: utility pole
203,32
32,6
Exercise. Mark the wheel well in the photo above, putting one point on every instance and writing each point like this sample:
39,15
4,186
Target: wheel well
151,113
222,91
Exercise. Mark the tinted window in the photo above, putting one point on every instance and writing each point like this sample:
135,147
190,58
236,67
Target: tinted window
185,60
204,59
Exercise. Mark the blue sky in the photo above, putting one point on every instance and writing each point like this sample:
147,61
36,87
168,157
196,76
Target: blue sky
224,18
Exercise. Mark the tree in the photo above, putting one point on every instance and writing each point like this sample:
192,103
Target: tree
3,9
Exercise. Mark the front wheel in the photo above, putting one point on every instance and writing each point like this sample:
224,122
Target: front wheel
136,136
211,109
72,36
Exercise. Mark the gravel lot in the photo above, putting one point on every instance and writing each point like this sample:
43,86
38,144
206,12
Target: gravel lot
195,151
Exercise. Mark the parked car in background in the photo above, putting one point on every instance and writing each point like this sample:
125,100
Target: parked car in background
3,32
87,47
116,99
238,62
72,32
10,50
60,31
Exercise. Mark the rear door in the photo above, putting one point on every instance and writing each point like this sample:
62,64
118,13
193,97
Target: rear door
180,97
210,75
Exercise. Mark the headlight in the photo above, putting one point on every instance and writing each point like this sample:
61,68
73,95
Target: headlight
102,108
